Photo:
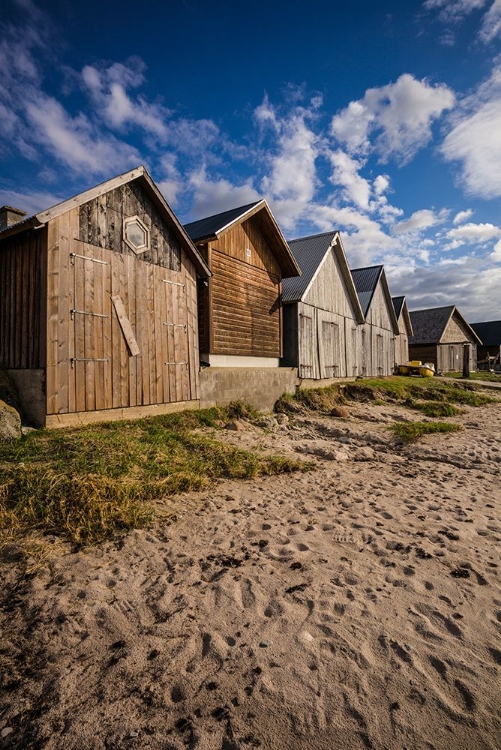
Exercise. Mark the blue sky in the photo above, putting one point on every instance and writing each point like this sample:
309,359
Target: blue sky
380,119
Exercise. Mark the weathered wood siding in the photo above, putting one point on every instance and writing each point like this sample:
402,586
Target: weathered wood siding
244,295
22,300
401,343
445,357
327,326
121,329
376,339
100,223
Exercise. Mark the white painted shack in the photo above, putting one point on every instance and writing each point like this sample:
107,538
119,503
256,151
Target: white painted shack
321,310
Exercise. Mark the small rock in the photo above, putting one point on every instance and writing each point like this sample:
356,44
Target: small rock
365,454
282,419
5,732
234,425
267,423
340,412
264,644
10,423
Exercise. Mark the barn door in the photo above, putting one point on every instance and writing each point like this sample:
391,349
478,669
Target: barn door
364,352
330,350
91,320
306,346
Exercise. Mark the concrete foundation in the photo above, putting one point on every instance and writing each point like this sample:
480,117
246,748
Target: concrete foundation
259,386
30,385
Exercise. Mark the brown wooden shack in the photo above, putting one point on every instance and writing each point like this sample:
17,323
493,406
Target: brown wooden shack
98,309
240,308
321,310
376,337
404,330
440,335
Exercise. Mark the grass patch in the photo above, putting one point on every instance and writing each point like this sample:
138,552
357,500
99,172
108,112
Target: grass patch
435,408
409,432
417,393
86,484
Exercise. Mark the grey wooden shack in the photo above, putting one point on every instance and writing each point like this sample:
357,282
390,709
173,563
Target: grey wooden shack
440,335
404,330
489,351
98,308
321,310
376,337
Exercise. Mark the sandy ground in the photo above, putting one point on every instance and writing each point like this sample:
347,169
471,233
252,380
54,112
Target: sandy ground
356,606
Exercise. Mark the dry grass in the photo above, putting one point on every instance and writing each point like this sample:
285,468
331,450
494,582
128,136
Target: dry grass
88,484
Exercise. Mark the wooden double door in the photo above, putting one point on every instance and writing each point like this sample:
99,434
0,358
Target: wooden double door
126,334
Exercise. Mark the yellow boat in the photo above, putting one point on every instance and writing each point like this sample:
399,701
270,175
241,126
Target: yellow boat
416,367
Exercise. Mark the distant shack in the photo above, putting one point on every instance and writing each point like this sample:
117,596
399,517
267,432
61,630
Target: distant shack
440,335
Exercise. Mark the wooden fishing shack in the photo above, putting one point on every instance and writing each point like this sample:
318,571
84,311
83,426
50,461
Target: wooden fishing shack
321,310
98,306
240,307
404,330
376,337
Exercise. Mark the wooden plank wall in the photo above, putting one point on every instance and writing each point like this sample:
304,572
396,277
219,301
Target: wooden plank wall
330,352
101,224
401,343
22,300
245,309
90,365
376,349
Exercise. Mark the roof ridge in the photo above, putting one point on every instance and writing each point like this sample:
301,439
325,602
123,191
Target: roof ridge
313,236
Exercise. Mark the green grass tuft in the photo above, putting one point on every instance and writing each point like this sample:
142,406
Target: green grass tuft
409,432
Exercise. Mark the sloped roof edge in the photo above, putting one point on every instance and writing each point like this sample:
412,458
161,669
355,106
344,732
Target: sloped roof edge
214,231
138,173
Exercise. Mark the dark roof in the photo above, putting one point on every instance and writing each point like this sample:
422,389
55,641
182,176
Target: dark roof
489,332
210,225
429,325
398,303
366,281
309,253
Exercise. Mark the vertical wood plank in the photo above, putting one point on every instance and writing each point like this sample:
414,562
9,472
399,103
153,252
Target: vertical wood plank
53,289
89,333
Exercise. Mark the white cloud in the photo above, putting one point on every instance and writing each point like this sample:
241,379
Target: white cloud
381,184
74,141
345,173
108,90
292,174
491,23
495,256
32,203
463,216
474,139
214,196
473,234
420,220
453,11
400,115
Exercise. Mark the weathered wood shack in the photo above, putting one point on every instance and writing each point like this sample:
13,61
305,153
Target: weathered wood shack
240,308
98,310
404,330
321,310
489,351
440,335
376,337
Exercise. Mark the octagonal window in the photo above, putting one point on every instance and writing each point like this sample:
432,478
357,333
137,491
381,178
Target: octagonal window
136,235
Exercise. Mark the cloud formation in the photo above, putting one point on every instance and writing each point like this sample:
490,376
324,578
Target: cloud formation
398,117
